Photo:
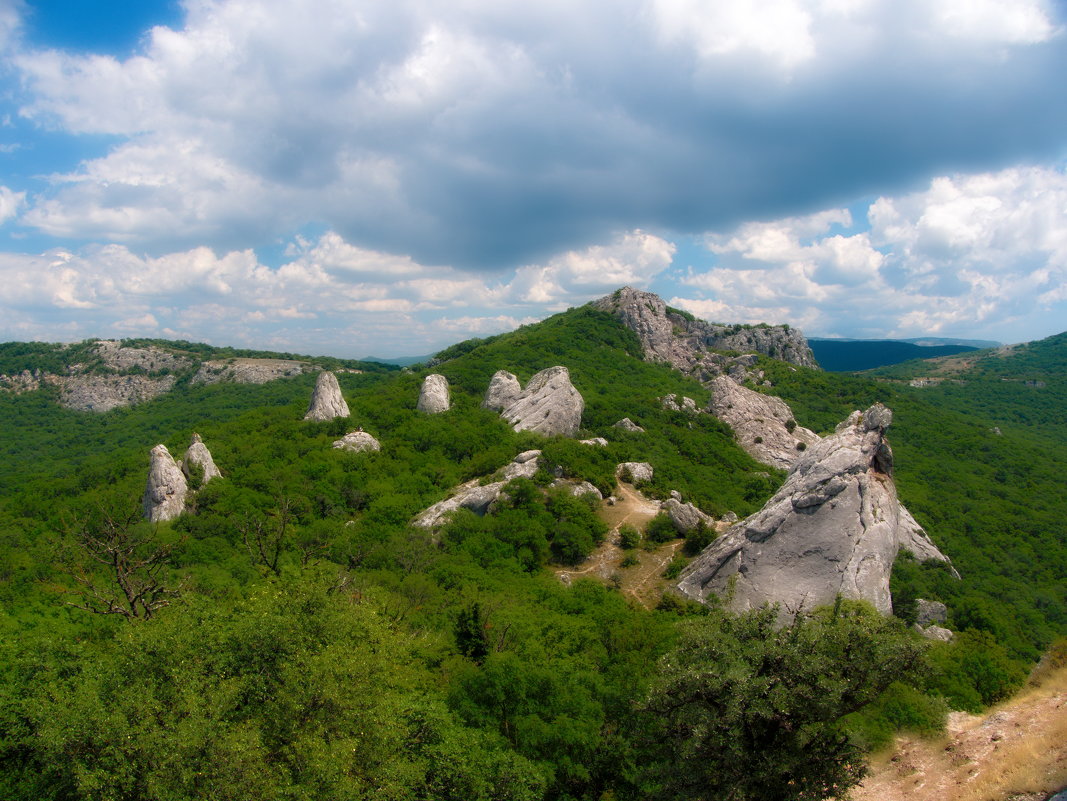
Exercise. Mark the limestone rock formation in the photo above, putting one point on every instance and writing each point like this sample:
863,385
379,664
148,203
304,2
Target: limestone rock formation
763,425
578,488
928,612
549,405
164,494
594,441
626,424
434,396
326,401
198,458
249,371
475,495
682,341
937,633
673,403
102,393
116,356
357,442
638,472
504,388
686,517
834,527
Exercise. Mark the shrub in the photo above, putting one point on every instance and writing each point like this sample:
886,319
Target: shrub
629,537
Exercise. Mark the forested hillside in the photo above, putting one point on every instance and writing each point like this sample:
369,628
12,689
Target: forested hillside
308,642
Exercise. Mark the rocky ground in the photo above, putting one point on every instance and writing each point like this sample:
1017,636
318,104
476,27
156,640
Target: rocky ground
1015,752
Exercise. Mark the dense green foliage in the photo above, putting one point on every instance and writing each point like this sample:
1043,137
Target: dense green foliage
319,646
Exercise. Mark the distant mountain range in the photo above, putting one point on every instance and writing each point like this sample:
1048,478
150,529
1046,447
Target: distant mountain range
849,355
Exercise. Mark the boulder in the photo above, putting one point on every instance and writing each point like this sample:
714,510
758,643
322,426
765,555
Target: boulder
937,633
594,441
928,612
686,517
626,424
578,488
327,402
434,396
198,457
357,442
763,425
164,494
673,403
549,405
638,472
833,528
504,388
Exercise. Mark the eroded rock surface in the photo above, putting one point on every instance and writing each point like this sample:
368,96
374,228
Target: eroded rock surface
504,388
626,424
549,405
327,402
674,403
164,494
357,442
150,359
102,393
249,371
667,336
434,396
475,495
198,459
635,472
763,425
686,517
834,527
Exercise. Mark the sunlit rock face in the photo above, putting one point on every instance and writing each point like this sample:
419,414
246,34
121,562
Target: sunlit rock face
198,457
549,405
434,395
327,402
504,388
834,528
164,495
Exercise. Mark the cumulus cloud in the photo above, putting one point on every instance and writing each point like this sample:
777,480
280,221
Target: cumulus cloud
496,134
976,253
10,203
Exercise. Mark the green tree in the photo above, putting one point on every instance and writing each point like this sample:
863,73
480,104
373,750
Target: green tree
743,708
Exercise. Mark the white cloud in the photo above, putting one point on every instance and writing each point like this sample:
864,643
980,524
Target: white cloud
10,203
971,252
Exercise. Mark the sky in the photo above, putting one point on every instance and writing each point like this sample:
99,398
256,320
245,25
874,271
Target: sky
353,177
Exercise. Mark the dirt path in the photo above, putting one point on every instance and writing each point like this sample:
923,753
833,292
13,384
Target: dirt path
643,581
1016,751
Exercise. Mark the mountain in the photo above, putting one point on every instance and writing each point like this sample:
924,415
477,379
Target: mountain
850,355
300,634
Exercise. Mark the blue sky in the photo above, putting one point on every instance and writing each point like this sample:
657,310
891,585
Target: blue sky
355,178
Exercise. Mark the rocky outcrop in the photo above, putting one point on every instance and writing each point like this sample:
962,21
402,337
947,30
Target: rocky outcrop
434,396
477,496
578,488
682,341
634,472
327,402
116,356
626,424
594,441
24,381
834,527
686,517
164,494
929,612
549,405
249,371
357,442
197,461
102,393
763,425
674,403
504,388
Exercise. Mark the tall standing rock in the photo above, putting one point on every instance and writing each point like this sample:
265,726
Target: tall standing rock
549,405
326,401
504,387
434,396
834,528
198,456
164,494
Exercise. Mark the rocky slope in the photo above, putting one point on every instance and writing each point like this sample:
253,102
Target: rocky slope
763,424
833,528
683,341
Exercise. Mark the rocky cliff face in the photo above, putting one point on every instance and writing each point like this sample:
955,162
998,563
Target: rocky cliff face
117,356
434,396
549,405
102,393
763,425
834,527
667,336
326,400
249,371
198,459
164,494
504,388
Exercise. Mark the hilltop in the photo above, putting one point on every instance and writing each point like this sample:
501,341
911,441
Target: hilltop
314,638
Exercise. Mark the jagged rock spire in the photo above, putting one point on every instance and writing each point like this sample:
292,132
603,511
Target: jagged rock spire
164,494
198,456
326,401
